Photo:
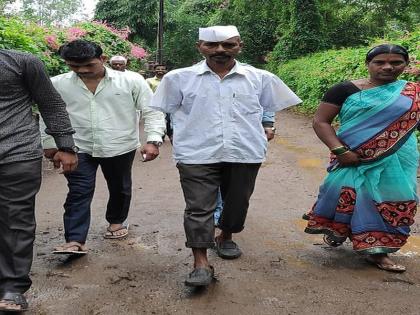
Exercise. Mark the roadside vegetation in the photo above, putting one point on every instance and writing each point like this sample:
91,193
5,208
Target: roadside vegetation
310,44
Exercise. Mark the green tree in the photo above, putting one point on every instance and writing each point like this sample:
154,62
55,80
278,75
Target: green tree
139,15
181,29
306,31
57,12
354,22
257,22
3,4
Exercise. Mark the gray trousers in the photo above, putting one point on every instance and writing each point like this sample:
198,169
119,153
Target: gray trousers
200,184
19,183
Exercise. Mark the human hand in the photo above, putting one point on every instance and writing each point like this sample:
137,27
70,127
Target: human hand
149,152
67,161
269,132
49,153
349,158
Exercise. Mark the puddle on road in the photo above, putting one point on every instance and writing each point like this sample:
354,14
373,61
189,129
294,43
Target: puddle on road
310,163
303,163
412,248
286,143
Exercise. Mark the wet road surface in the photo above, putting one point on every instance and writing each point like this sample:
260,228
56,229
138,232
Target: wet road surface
282,271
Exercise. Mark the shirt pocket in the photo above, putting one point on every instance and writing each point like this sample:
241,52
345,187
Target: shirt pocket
246,104
188,102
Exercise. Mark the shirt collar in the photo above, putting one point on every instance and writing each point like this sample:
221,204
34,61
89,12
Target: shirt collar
109,74
202,68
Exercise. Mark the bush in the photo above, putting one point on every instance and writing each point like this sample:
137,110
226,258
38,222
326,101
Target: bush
310,77
45,41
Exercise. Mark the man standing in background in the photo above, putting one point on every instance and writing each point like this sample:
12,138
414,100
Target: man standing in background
160,71
118,63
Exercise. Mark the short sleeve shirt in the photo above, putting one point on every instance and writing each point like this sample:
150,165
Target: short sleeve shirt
338,94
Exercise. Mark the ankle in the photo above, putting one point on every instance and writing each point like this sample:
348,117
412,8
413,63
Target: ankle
224,236
200,257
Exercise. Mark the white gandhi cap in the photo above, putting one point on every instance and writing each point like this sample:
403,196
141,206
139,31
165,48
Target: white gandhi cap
217,33
118,58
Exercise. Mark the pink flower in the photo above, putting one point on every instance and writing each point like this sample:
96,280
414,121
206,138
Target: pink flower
74,33
122,33
52,42
138,52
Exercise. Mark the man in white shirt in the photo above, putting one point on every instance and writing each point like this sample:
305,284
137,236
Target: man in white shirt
216,108
118,63
102,105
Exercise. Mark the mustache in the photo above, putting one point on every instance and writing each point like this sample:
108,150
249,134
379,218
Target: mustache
220,55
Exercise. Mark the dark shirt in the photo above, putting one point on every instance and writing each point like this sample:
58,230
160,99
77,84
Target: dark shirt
23,82
338,94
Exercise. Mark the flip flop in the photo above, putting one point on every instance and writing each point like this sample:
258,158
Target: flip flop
330,241
13,302
65,249
112,234
391,268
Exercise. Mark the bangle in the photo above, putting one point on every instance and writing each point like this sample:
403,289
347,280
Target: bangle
343,153
339,150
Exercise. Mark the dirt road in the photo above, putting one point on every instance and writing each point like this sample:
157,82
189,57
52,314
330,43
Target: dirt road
282,271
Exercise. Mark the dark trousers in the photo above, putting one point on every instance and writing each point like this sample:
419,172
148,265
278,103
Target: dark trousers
19,183
81,183
200,184
169,130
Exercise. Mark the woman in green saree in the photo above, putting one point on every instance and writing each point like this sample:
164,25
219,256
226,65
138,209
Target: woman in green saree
370,193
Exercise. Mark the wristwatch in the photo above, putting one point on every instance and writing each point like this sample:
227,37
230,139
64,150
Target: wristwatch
155,143
73,149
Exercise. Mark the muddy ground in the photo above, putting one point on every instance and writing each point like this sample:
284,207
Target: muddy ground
282,271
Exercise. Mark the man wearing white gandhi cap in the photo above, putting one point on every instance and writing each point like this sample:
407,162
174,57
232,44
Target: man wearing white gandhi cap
118,63
218,33
218,140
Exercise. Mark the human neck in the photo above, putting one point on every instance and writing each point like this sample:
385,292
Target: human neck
98,77
221,69
376,82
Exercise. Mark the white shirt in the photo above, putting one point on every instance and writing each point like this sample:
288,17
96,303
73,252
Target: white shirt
106,122
219,120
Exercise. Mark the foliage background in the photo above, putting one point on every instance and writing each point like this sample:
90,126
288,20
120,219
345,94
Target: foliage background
310,44
312,75
44,41
292,28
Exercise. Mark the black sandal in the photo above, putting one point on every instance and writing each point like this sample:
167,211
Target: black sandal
13,302
331,242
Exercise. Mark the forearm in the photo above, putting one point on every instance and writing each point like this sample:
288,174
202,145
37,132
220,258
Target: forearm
268,119
326,133
154,124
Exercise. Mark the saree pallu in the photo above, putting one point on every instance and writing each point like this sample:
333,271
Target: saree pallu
373,203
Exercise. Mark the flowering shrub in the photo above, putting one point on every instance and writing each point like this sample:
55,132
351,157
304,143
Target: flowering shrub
44,42
138,52
52,42
121,33
74,33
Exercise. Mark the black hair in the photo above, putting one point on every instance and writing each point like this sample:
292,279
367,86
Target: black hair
158,65
80,50
387,49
